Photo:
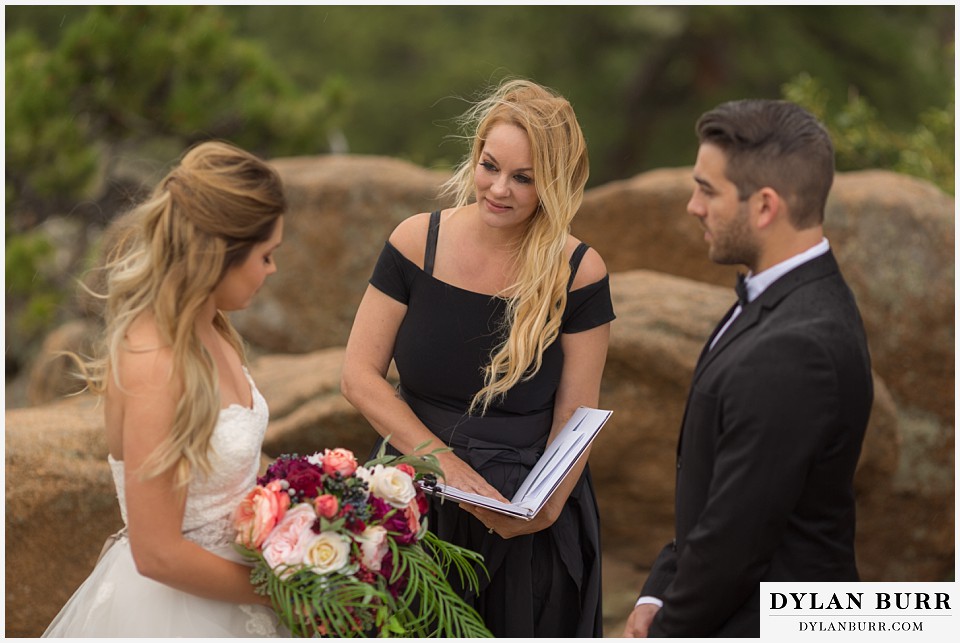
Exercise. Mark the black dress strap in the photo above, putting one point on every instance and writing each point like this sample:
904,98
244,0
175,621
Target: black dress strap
575,259
430,252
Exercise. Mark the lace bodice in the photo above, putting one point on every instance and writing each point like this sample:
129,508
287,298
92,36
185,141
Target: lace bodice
235,459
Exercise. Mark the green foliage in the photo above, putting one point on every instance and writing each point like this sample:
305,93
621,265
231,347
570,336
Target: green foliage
29,284
638,76
863,141
121,77
341,605
48,150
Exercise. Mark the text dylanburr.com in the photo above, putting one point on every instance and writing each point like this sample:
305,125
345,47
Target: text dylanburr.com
798,611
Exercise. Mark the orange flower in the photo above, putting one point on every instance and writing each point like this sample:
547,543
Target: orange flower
259,512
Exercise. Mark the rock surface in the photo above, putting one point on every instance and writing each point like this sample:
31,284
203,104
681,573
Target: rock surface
61,504
892,235
341,211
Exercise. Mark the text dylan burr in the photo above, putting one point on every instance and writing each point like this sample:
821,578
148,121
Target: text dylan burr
855,601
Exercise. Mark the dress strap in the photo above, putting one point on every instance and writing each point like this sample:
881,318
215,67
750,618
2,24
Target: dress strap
430,252
575,259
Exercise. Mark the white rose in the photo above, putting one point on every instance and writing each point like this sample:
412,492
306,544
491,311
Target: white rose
392,485
327,552
373,546
364,474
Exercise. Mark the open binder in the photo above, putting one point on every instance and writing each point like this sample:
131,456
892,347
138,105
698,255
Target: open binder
552,467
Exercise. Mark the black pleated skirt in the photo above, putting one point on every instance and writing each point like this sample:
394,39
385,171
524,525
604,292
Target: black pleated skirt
545,584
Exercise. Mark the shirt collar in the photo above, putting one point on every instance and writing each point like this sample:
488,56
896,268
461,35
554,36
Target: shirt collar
757,283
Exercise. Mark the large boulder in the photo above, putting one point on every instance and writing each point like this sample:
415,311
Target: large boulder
60,501
642,223
60,506
54,374
661,326
341,211
893,236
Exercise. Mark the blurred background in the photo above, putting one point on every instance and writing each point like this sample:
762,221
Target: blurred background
356,108
100,99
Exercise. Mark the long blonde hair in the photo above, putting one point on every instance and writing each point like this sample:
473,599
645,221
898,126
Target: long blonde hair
536,300
204,217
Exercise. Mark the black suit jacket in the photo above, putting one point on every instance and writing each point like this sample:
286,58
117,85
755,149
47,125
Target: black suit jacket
771,436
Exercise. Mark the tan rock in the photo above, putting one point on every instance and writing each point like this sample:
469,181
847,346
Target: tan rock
56,471
341,211
642,223
307,411
53,374
662,324
893,236
60,506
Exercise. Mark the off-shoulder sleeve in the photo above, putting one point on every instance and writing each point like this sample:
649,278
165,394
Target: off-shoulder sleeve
588,307
392,274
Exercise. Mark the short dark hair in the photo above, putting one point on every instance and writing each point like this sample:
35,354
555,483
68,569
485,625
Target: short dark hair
777,144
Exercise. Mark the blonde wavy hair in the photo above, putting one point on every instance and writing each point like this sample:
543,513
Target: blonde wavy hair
536,300
203,218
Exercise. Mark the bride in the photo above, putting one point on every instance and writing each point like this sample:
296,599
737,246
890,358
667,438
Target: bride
184,420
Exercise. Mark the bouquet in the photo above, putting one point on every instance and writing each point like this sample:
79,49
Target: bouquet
343,550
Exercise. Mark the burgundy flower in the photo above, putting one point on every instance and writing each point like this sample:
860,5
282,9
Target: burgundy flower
304,477
386,569
380,508
398,523
277,470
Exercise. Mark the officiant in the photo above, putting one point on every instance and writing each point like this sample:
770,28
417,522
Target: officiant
498,321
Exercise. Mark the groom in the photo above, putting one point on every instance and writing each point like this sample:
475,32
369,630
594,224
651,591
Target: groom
781,394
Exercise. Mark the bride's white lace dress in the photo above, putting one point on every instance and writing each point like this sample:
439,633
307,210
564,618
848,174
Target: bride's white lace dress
116,601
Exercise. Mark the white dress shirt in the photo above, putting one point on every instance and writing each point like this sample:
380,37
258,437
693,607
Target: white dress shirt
757,283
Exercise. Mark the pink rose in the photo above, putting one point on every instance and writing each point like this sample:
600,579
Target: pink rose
327,505
340,461
259,512
373,547
407,469
285,547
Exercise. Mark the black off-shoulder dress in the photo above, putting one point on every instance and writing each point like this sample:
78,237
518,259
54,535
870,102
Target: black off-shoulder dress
542,584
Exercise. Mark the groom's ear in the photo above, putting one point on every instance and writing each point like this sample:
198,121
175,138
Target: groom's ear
768,207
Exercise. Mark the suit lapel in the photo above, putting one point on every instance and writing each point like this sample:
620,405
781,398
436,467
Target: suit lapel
752,313
721,324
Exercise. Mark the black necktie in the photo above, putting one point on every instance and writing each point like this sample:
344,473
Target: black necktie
741,289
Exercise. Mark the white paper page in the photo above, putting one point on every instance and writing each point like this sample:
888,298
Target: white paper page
560,454
550,469
456,495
